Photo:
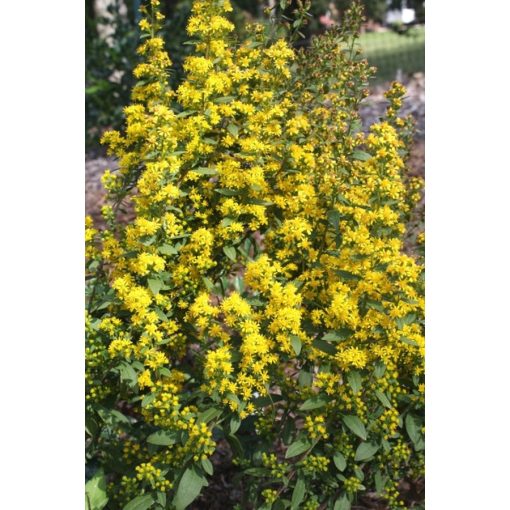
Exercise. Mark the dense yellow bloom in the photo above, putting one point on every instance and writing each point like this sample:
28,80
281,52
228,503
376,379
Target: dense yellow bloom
121,346
352,357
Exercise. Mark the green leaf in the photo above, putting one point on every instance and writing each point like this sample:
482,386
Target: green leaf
338,335
288,432
258,201
354,379
379,369
376,305
235,423
228,192
239,284
189,488
128,374
202,170
236,445
281,504
298,493
164,371
342,503
91,426
419,445
230,252
161,314
208,415
356,425
346,275
380,482
412,428
104,305
365,451
324,346
208,283
361,155
225,99
334,218
383,399
408,319
305,379
233,130
408,341
296,344
95,492
234,398
358,472
167,249
148,241
208,467
140,503
339,461
112,417
256,471
313,403
155,285
162,438
148,399
161,498
225,222
254,301
297,448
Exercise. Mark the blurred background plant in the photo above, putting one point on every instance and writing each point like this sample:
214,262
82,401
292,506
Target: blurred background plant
393,41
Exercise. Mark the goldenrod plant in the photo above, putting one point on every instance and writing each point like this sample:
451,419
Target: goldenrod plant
260,299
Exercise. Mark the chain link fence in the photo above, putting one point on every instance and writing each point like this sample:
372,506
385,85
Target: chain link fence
396,54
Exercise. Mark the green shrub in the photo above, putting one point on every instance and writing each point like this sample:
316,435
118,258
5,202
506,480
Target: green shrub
260,300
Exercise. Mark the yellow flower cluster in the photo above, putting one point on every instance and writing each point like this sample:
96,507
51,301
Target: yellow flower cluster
352,485
316,427
314,464
270,461
146,472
